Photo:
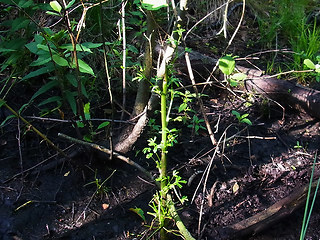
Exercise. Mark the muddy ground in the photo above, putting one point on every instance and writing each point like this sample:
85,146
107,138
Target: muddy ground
58,200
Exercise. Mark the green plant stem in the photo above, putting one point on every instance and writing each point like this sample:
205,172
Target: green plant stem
164,132
173,212
163,163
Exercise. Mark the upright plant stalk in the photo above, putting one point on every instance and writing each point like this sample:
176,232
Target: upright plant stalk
124,57
164,125
163,163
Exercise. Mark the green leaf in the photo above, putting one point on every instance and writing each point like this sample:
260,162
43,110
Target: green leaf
38,72
239,76
19,23
42,60
85,68
139,212
80,124
25,4
45,88
102,125
309,64
52,13
56,99
247,121
56,6
154,5
233,83
86,110
244,115
70,4
91,45
60,60
7,118
72,80
182,107
236,114
70,96
227,64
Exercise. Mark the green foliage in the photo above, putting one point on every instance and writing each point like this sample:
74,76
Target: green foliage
197,124
316,67
227,66
242,118
288,23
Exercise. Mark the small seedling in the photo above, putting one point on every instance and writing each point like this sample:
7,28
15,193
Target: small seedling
242,118
298,146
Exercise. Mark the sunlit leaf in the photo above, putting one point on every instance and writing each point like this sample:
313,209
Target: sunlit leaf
154,4
182,107
56,6
85,68
86,110
239,76
233,83
247,121
309,64
227,64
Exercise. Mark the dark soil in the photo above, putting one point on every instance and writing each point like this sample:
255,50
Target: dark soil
42,197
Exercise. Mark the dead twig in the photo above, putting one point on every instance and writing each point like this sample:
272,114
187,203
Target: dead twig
108,151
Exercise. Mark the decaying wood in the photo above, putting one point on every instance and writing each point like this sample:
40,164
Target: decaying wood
286,92
264,219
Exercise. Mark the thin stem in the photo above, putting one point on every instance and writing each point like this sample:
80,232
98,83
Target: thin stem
124,57
163,163
164,124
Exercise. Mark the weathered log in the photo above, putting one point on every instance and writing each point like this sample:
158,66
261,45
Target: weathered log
264,219
286,92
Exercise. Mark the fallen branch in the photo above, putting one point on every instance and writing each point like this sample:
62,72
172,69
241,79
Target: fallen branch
108,151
